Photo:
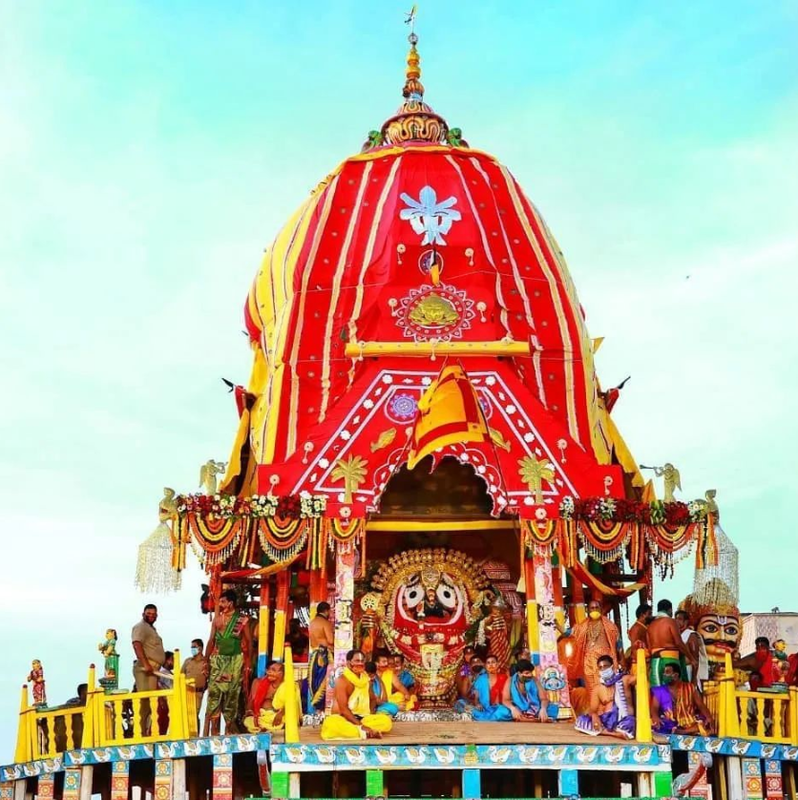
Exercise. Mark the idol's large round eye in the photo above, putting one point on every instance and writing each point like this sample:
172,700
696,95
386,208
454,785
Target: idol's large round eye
710,627
447,595
414,595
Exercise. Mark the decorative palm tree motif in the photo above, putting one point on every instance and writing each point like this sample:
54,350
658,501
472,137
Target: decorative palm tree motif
428,216
352,472
533,473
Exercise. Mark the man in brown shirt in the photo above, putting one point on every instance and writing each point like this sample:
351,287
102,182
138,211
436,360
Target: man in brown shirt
196,669
150,656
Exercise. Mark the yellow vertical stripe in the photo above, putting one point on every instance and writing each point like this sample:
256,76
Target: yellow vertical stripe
567,363
336,290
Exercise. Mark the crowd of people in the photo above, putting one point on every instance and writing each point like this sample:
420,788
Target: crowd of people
369,692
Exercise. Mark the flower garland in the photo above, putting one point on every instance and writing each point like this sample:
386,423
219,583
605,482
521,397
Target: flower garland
257,506
615,509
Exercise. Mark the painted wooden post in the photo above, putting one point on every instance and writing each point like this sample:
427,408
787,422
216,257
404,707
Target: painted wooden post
72,776
7,790
291,712
701,788
21,790
344,599
727,682
45,790
643,716
264,624
556,581
547,632
472,788
120,780
280,612
223,776
179,787
280,784
752,779
568,782
86,780
163,779
645,784
774,785
663,784
22,752
532,635
375,783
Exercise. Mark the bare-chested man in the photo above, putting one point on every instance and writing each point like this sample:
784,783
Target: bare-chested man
321,636
353,711
665,643
229,652
610,710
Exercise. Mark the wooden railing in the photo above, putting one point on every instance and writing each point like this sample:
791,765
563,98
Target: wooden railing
115,719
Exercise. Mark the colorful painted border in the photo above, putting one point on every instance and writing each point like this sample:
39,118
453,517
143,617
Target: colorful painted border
735,747
299,757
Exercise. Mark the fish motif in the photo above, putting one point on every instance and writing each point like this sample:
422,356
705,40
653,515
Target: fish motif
383,440
445,755
499,755
415,755
355,755
385,755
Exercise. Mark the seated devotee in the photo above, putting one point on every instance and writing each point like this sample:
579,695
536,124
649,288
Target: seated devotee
354,710
522,694
465,685
377,688
487,692
611,711
404,675
677,706
395,691
268,700
522,654
465,667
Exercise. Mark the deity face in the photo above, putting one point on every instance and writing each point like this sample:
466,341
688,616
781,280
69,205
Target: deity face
110,634
413,594
721,634
36,664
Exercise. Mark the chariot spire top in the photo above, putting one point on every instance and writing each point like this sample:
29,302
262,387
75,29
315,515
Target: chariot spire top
414,121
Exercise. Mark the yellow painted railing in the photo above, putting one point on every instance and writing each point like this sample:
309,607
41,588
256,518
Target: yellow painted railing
643,731
123,718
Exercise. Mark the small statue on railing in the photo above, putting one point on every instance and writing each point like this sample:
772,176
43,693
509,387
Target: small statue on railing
670,478
111,666
36,678
209,473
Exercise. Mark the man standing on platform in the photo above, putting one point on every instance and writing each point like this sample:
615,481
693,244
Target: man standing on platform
665,643
229,650
698,650
196,668
321,646
594,637
638,633
150,656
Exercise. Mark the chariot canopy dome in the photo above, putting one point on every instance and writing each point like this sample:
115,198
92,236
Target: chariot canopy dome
415,242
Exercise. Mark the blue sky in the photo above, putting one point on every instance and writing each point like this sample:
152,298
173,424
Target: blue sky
150,151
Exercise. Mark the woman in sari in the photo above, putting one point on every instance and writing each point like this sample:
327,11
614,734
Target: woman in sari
488,691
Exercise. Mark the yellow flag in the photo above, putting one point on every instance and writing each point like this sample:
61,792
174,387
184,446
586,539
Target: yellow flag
448,413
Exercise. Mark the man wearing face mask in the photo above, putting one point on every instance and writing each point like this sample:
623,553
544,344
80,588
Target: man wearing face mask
465,684
665,643
196,669
677,706
594,637
611,710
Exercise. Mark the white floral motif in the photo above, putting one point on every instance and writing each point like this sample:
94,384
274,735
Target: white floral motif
428,216
369,404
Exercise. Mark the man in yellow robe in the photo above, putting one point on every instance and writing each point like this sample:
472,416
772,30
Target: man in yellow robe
269,697
395,691
353,710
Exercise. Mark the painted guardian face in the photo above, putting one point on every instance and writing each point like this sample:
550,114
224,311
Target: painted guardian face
412,596
721,634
